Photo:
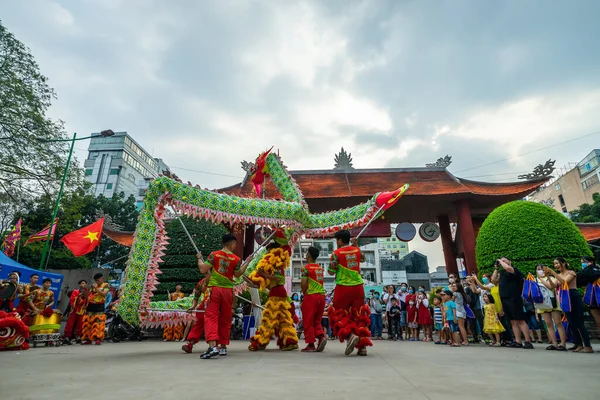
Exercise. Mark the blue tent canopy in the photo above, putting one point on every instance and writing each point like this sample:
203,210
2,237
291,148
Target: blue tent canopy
8,265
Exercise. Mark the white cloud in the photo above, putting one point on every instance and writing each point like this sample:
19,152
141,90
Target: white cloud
535,119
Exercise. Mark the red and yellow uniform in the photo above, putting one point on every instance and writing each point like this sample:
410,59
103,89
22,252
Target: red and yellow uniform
348,313
277,317
42,298
174,332
313,304
218,314
94,319
78,302
25,295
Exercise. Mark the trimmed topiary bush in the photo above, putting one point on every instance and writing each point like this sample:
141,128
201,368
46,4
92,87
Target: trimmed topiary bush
528,234
180,262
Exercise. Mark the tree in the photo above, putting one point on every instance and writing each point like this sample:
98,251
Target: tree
343,160
587,212
528,234
180,263
28,167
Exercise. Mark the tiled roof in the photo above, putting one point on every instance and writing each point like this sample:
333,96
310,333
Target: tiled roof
365,183
591,231
432,192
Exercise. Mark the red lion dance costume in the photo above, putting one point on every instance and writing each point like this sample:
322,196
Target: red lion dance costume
348,315
279,314
13,332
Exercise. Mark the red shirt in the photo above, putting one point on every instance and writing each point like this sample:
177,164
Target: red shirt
348,257
224,266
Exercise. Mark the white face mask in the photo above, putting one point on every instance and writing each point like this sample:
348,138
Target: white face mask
412,303
540,273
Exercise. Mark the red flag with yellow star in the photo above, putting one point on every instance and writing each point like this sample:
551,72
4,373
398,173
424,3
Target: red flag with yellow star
84,240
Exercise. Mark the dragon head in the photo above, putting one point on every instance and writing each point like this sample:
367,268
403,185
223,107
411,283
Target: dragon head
388,199
259,171
13,332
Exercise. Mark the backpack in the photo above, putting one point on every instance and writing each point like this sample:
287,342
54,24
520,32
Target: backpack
470,298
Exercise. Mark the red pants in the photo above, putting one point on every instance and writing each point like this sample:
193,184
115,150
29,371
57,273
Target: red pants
197,330
313,306
74,325
217,319
348,314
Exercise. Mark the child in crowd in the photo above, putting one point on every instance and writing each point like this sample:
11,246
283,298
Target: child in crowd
492,325
438,318
412,315
532,321
424,315
395,312
450,317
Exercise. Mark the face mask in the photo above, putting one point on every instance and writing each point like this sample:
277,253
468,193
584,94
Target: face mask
584,265
403,288
451,280
295,298
485,280
540,273
412,303
421,290
376,296
411,291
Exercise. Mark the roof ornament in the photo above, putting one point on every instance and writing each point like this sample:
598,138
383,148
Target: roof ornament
247,167
343,160
442,162
541,171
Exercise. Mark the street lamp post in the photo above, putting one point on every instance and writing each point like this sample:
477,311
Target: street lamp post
105,133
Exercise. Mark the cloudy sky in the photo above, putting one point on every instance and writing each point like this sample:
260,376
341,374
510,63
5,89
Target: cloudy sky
206,84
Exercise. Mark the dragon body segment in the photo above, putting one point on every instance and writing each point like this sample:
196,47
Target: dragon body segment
151,241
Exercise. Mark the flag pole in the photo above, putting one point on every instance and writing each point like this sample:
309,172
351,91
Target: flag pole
60,192
49,251
18,248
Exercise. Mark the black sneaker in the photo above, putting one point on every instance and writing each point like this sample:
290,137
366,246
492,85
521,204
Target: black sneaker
527,345
516,345
223,351
210,353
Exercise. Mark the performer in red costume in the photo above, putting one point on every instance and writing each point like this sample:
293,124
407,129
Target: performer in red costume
198,328
223,266
26,293
78,303
313,304
349,316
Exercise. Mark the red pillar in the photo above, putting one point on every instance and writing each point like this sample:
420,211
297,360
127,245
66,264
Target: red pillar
448,245
467,234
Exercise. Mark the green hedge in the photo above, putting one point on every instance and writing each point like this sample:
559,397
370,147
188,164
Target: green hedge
179,260
528,234
180,264
179,274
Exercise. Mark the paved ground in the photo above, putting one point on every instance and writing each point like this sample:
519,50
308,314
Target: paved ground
155,370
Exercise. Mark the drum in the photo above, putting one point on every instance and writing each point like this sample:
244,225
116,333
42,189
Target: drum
46,325
6,292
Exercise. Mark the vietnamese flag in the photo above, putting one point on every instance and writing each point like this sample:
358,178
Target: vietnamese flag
84,240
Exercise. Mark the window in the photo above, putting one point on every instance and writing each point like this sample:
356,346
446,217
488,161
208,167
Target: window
562,200
591,181
88,172
557,186
296,273
114,171
109,186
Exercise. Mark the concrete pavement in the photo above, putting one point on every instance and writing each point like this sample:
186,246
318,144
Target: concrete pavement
155,370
